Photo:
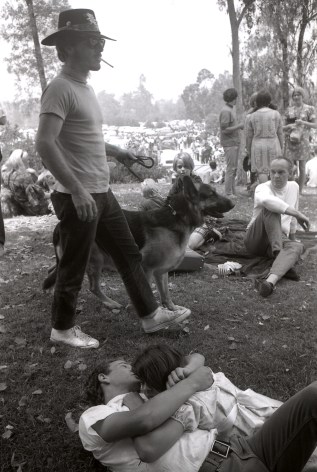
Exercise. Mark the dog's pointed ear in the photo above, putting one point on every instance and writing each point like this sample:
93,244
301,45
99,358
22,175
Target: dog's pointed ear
189,189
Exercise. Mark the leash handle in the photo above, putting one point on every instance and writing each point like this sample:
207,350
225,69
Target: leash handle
145,161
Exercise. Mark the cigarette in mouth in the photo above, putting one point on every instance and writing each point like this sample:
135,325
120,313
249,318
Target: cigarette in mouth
106,62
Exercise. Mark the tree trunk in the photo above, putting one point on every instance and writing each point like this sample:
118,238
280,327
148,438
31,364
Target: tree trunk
285,79
300,44
236,75
37,47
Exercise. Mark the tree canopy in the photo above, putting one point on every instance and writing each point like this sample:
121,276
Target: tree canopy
17,30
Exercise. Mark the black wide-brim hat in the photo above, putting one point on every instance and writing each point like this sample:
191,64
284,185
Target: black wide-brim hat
78,20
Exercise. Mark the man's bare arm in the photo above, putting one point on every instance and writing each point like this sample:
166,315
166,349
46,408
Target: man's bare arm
49,129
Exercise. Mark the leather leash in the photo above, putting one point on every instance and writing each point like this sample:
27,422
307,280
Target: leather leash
144,161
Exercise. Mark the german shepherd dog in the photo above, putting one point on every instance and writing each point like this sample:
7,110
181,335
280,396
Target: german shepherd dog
162,236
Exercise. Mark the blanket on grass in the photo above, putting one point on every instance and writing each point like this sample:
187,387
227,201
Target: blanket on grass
231,248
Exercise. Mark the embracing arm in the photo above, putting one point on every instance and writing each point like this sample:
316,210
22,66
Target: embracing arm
49,129
153,413
153,445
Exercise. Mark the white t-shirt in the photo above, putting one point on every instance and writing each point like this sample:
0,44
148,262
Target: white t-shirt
119,456
311,172
81,139
277,201
186,455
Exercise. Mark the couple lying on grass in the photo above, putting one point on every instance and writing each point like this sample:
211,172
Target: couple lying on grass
191,419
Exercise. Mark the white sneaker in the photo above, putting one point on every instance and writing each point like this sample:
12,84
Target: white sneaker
164,318
74,337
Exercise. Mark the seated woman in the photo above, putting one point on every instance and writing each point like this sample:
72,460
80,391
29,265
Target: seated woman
26,195
183,164
129,435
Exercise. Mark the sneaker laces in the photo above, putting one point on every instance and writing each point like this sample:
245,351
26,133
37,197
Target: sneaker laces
79,334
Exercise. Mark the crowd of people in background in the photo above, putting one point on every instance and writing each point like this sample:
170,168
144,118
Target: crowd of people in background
268,134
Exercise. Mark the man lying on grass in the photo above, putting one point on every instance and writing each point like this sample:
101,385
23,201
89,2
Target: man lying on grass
128,434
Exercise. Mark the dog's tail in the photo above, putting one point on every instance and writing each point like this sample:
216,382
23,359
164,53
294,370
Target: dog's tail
52,271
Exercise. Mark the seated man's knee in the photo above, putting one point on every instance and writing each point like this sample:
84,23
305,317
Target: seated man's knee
309,398
271,214
298,247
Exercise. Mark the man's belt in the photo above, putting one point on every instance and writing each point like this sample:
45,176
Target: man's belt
219,451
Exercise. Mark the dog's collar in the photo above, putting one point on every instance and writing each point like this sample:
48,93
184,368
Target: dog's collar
173,211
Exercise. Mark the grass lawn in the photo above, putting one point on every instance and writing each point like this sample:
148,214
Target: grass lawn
266,344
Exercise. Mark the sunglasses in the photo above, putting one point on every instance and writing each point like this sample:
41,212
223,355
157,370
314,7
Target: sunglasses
96,43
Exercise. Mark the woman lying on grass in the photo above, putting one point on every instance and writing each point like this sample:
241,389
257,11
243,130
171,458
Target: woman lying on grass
223,406
127,434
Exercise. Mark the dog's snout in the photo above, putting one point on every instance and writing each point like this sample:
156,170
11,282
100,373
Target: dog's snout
231,204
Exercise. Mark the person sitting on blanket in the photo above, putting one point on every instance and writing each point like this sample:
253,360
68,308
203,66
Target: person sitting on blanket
223,406
271,231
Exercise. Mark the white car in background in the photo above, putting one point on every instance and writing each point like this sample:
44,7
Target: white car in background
167,158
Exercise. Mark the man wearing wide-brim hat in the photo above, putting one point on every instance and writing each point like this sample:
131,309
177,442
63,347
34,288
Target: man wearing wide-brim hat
70,142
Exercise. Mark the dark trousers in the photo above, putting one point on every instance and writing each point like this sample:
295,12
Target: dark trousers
287,439
111,232
265,238
283,444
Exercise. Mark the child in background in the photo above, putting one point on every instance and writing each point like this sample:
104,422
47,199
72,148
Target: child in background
223,406
152,200
183,164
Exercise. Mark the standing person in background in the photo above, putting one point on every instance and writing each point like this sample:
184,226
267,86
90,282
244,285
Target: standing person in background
230,138
3,120
264,136
247,158
299,119
70,142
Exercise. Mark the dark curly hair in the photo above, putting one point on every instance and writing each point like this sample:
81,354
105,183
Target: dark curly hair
154,364
229,95
93,394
